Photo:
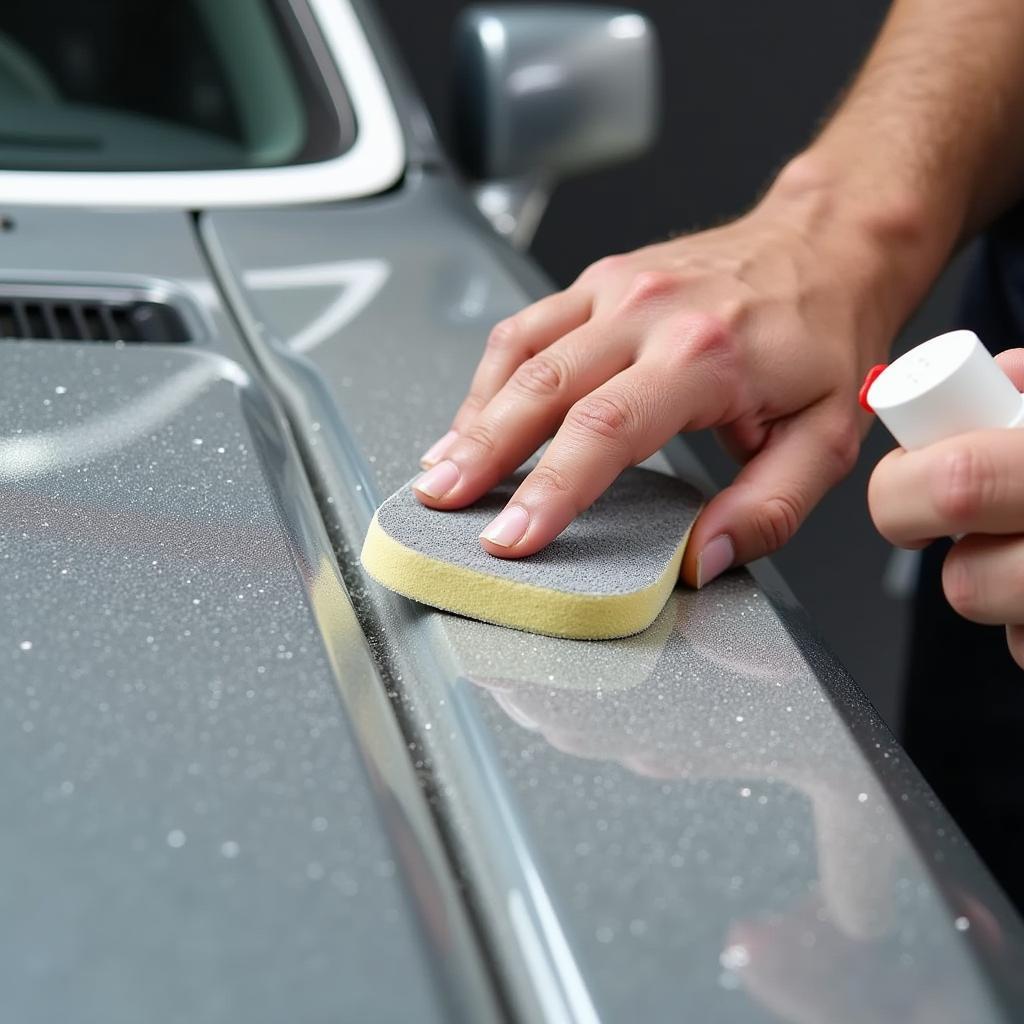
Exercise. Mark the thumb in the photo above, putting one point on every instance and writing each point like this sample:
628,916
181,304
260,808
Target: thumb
1012,363
773,493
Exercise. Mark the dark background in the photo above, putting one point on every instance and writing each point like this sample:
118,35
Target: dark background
745,82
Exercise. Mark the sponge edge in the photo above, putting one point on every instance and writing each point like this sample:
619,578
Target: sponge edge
607,575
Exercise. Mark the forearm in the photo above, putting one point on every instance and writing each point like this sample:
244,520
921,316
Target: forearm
928,145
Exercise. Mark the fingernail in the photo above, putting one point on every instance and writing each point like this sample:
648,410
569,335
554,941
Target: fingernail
507,527
438,480
435,452
717,556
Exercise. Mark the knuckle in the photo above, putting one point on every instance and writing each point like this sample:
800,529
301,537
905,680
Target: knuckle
480,436
604,267
539,377
705,333
649,286
775,521
962,486
505,336
472,404
551,479
604,416
699,336
731,313
471,407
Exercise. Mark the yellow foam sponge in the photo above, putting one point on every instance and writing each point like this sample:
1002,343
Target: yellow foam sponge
607,575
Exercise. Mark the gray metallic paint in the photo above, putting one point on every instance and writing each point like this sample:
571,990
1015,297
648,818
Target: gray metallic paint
707,820
209,813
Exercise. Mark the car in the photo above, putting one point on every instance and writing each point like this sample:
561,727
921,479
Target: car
242,288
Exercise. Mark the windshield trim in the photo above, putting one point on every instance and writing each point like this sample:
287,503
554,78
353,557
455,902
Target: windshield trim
372,164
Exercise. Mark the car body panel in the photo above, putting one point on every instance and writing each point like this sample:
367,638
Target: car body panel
209,812
707,816
406,815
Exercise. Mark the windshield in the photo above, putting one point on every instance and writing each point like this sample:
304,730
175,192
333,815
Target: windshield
120,85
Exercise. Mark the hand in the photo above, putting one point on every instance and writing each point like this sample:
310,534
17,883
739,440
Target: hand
762,328
969,485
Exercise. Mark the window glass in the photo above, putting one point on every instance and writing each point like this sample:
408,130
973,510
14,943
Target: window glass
161,84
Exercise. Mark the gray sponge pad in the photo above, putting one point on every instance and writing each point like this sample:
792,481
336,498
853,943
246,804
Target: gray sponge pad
607,575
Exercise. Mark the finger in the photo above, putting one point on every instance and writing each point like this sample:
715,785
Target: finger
510,343
517,338
1012,363
616,426
972,483
885,497
773,494
1015,641
983,579
522,416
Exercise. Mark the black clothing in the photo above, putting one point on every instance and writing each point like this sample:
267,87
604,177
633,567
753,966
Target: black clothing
964,710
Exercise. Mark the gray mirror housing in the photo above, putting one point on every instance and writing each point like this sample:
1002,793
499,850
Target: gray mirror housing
543,92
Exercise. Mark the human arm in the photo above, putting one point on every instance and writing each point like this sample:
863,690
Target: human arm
762,328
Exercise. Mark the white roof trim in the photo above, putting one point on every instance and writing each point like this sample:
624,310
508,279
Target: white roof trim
374,162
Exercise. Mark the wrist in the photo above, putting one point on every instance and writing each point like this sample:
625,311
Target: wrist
891,239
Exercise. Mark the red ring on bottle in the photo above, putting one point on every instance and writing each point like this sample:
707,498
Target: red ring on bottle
870,379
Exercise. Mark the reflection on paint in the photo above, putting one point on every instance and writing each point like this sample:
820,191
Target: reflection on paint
716,690
358,283
24,456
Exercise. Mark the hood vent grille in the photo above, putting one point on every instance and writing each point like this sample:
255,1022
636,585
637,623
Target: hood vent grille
60,315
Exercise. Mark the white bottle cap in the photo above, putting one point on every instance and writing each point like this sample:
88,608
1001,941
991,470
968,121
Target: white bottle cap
946,386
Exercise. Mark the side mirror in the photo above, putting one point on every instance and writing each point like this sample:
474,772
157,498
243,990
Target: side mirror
542,93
